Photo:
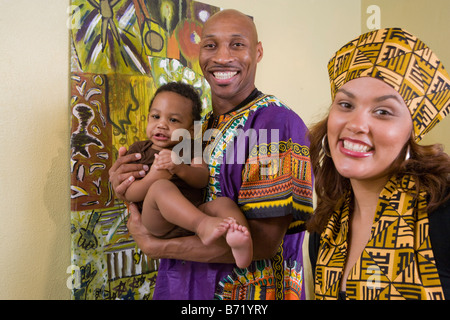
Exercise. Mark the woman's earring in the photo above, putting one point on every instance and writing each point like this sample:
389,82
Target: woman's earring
324,149
408,153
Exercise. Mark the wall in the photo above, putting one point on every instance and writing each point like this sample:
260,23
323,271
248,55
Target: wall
298,38
34,135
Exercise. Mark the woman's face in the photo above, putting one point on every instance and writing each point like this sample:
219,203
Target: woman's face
368,126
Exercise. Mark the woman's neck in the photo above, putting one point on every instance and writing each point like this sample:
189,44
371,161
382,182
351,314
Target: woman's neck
366,194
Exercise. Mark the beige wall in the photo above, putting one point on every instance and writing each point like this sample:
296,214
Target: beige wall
34,161
298,39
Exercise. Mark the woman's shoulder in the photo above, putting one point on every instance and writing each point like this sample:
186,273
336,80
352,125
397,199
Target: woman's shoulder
443,210
439,226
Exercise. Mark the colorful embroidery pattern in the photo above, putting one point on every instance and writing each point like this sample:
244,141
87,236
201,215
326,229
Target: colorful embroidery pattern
222,135
404,62
398,261
264,282
288,168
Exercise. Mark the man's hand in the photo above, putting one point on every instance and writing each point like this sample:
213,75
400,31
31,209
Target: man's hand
144,240
123,172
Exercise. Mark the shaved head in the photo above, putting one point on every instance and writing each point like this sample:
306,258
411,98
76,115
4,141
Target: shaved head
233,15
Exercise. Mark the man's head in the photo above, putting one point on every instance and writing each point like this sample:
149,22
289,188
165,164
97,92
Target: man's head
229,54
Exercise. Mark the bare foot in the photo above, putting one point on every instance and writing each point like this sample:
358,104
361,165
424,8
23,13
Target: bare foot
240,241
211,229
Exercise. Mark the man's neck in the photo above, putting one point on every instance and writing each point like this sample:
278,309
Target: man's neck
223,106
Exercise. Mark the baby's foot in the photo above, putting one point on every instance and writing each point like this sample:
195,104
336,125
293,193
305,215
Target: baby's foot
240,241
211,228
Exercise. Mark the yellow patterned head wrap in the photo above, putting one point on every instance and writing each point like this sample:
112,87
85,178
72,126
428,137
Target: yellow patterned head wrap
405,63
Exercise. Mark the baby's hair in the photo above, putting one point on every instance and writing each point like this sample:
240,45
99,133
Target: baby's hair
186,91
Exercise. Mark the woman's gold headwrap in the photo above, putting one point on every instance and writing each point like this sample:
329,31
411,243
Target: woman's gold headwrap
404,62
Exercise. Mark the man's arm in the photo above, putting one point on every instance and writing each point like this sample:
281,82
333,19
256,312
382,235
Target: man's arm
191,248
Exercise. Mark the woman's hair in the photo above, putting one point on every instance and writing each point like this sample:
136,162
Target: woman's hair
428,165
186,91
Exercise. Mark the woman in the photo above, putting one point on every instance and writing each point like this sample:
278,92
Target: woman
381,228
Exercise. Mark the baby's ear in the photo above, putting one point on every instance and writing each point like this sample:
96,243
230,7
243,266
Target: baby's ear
191,131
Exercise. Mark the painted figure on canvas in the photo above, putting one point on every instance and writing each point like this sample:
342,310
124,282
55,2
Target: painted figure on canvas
121,52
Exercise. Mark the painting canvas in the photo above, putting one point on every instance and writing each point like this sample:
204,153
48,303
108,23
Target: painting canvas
121,52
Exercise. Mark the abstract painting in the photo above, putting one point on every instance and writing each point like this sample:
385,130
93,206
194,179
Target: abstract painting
121,52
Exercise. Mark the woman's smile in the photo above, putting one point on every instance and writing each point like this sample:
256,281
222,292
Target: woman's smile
355,148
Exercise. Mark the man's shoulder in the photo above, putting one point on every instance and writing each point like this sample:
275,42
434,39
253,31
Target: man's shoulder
270,104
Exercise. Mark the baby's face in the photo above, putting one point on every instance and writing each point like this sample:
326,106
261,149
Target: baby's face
169,112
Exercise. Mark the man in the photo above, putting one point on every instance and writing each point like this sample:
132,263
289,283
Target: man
258,157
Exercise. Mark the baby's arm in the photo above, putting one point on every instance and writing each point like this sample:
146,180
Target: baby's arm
194,174
138,189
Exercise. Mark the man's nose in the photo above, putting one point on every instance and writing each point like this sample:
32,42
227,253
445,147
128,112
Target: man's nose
223,55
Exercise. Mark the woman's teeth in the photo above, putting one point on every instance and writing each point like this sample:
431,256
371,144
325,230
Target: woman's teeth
356,147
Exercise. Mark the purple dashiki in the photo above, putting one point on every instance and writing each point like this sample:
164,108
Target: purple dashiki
259,157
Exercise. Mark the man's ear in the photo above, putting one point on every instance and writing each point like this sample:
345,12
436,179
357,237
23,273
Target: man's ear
259,51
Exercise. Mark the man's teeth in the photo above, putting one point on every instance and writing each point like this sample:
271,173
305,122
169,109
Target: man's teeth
224,75
355,146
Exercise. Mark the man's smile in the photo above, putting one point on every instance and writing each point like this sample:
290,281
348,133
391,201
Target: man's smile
220,75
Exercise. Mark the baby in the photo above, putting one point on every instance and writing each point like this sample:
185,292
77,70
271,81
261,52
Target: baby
170,195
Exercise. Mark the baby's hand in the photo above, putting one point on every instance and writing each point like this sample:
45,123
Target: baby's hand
166,159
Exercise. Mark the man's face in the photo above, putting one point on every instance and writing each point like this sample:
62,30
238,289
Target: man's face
229,53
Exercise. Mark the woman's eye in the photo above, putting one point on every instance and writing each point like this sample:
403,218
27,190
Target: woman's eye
383,112
345,105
